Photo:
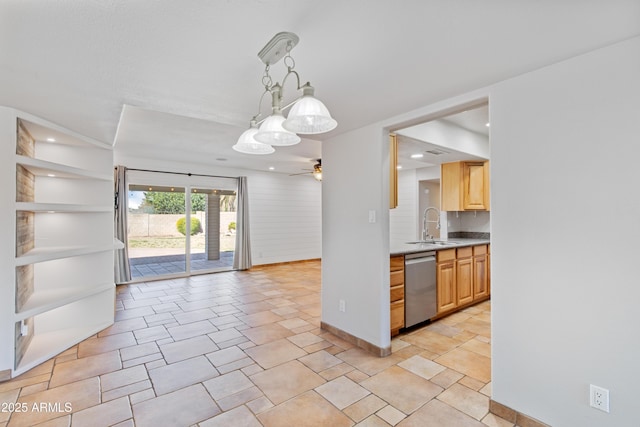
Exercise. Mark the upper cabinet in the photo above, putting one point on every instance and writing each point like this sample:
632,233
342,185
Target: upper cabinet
465,186
393,171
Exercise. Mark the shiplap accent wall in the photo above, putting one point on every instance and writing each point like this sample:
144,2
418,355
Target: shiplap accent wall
402,219
286,218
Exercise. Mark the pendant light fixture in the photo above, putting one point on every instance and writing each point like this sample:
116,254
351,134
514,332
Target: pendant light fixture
248,145
308,115
271,131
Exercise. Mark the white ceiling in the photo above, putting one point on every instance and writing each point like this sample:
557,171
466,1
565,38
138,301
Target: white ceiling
474,120
182,78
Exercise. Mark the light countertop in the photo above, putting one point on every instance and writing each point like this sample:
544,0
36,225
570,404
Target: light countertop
409,248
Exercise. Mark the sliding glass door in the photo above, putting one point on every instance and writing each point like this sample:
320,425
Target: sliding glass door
215,210
179,230
156,231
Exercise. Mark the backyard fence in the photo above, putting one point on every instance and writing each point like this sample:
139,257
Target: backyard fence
164,225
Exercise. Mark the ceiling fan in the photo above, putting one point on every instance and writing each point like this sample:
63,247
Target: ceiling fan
316,172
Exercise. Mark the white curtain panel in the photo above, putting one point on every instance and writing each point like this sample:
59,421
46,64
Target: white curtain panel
121,256
242,253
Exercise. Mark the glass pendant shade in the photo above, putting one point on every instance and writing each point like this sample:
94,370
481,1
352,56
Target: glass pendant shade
271,132
309,115
248,145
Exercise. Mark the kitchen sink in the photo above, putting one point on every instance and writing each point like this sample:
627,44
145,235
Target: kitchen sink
431,242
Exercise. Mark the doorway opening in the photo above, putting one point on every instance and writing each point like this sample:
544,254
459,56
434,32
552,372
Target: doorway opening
458,134
180,230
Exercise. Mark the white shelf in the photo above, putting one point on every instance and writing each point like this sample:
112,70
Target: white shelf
61,207
44,168
58,252
42,301
62,134
66,292
45,346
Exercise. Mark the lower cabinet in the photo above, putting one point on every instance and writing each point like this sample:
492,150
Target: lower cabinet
462,277
446,280
396,290
480,272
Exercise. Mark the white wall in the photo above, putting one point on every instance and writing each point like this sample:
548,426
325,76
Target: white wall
429,196
428,174
286,217
564,296
7,221
285,211
402,219
565,226
355,252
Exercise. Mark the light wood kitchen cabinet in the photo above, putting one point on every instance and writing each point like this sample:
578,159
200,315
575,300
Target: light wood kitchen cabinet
480,273
488,269
393,171
446,280
464,276
465,186
396,289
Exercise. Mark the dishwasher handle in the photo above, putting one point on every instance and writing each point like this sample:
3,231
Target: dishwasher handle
429,258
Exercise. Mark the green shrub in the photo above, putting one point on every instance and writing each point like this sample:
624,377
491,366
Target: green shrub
196,227
232,226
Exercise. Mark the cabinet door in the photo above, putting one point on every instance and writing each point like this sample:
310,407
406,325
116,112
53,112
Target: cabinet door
446,282
396,296
464,279
393,171
474,185
488,274
397,316
480,282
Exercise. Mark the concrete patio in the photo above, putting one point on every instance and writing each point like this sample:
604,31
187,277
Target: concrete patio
158,265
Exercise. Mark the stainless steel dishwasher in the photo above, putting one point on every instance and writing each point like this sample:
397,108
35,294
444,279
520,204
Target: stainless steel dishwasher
420,287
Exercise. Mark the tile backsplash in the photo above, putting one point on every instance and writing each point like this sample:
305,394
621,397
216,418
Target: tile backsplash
479,221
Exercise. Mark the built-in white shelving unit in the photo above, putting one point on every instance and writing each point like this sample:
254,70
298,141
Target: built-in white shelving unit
58,265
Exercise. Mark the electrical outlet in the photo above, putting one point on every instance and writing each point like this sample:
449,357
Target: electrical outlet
342,306
24,329
599,397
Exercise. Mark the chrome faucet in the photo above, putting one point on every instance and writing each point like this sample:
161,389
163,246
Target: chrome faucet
425,222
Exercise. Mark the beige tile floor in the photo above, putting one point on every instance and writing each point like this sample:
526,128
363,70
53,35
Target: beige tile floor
245,349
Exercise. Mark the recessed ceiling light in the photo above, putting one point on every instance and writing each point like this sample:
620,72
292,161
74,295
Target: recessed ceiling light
51,140
417,156
399,167
271,168
488,124
51,175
